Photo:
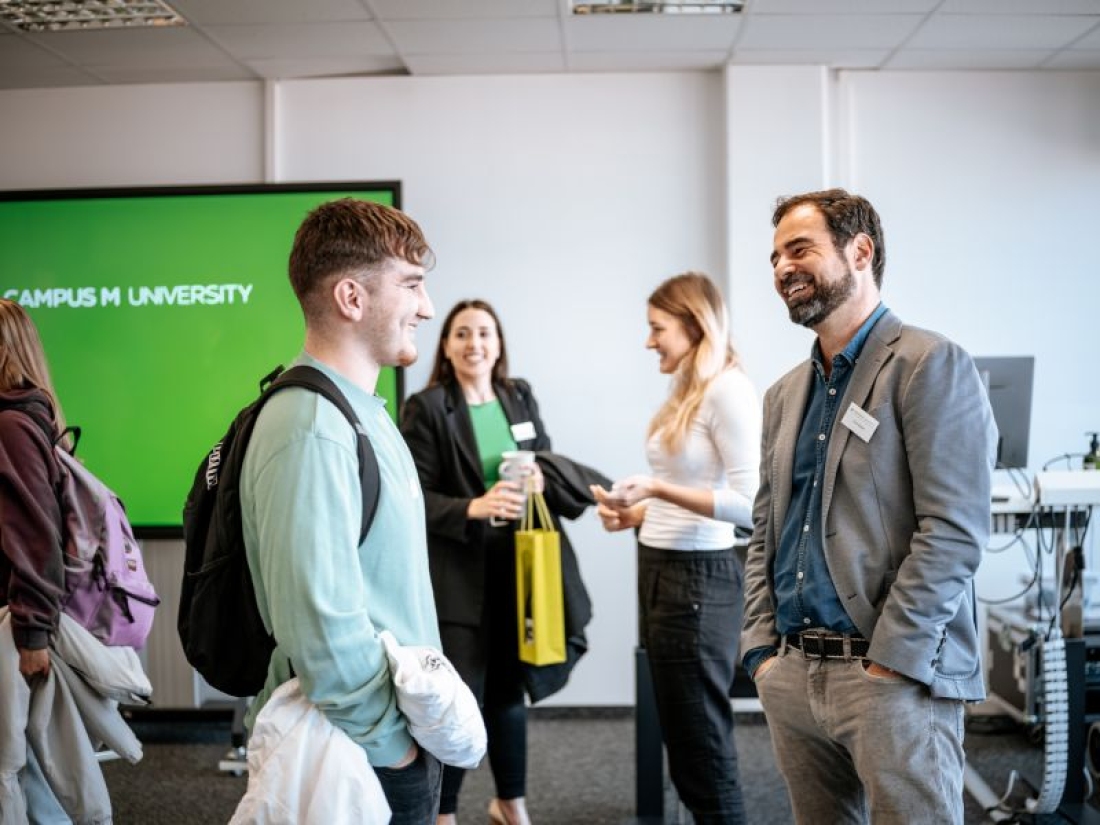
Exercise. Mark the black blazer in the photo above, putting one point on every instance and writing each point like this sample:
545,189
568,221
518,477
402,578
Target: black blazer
437,427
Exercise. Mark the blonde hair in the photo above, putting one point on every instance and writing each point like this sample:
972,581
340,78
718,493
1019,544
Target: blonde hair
694,300
22,358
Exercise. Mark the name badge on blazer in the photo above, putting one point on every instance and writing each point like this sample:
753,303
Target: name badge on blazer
860,422
523,431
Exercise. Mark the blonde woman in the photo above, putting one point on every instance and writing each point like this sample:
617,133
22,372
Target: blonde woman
703,449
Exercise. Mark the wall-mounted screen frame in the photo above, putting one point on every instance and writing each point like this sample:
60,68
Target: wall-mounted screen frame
160,309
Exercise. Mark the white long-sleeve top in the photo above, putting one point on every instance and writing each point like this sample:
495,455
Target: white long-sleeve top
721,452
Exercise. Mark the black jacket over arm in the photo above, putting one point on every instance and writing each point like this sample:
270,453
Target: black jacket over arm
436,425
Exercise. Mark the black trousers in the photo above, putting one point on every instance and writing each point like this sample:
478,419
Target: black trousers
487,659
690,606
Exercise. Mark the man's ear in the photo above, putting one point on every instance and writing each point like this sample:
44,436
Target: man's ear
350,298
863,251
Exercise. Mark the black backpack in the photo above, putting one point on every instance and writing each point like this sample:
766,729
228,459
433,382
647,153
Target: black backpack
219,623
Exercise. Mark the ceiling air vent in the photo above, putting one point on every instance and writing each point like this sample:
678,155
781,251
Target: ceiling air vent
666,7
69,15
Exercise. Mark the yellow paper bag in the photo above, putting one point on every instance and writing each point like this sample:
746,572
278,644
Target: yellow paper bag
540,609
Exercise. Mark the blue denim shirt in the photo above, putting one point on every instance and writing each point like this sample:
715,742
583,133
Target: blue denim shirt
805,596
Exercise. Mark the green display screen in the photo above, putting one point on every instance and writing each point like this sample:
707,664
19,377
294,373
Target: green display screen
160,310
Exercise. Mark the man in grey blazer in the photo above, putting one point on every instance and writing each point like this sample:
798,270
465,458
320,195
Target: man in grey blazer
871,519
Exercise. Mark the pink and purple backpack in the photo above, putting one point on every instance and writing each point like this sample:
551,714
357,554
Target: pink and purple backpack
106,588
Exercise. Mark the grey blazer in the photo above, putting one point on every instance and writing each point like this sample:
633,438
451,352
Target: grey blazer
905,515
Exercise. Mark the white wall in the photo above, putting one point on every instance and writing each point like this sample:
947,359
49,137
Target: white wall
566,199
131,136
778,135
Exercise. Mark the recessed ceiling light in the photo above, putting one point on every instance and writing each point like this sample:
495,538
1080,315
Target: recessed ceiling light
666,7
68,15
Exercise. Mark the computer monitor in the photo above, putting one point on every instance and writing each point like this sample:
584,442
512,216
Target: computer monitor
1008,381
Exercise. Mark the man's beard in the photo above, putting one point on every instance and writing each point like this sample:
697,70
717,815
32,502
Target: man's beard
826,299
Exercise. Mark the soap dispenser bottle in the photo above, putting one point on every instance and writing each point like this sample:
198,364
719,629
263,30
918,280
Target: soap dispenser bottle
1092,458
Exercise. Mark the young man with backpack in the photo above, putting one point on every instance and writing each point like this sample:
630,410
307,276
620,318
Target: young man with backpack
357,269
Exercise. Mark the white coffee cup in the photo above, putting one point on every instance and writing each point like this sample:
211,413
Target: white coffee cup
517,466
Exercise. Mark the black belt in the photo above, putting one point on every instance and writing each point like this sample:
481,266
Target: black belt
818,644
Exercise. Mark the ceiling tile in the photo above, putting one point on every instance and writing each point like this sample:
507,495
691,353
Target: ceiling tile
843,6
839,58
135,47
497,63
173,74
810,31
462,9
314,40
222,12
968,59
279,68
44,77
647,61
233,39
1020,7
475,36
620,32
1090,41
17,51
961,31
1075,59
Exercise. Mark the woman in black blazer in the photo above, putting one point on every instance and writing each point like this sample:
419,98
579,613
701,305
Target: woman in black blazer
456,429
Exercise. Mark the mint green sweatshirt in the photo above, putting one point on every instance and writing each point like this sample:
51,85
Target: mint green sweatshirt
324,596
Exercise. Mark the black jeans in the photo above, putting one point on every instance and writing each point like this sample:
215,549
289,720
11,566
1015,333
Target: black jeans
413,791
690,605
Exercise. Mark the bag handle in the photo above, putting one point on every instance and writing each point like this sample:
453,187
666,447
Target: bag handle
534,511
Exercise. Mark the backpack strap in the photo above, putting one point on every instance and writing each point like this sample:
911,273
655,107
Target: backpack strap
313,379
74,434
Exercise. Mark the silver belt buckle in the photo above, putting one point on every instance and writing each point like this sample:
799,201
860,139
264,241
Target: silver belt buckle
821,637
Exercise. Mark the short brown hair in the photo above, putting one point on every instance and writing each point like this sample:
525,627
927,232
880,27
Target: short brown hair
846,215
350,237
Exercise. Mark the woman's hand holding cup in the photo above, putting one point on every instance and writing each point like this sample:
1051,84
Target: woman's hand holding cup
502,502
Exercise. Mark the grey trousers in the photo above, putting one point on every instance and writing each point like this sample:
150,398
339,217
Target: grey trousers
854,748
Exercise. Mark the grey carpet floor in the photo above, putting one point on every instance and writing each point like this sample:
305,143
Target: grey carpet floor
581,772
